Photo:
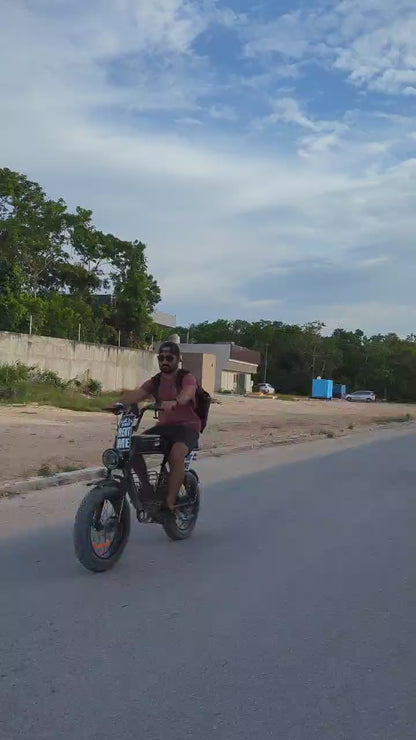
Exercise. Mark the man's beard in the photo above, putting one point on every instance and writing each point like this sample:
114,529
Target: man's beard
168,369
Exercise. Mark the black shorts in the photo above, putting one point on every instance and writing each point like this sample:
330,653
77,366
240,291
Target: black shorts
172,433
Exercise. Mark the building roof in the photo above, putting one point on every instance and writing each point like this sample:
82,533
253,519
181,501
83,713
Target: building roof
242,354
164,319
236,353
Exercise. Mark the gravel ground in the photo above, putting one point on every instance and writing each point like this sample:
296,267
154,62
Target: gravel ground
37,439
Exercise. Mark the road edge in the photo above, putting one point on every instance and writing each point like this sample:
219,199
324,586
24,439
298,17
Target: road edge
22,486
17,487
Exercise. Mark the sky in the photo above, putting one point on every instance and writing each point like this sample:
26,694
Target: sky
264,151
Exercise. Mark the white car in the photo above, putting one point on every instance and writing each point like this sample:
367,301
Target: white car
266,388
367,396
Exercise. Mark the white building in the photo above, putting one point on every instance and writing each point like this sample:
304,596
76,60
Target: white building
235,365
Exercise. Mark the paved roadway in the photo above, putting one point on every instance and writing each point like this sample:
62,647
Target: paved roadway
291,613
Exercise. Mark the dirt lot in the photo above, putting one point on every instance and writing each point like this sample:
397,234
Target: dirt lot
41,439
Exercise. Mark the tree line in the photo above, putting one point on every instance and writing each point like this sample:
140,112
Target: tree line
60,275
295,354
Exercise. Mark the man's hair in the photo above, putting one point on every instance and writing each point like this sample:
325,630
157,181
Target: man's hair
170,347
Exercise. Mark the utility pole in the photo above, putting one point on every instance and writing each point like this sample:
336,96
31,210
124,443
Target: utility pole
30,324
266,354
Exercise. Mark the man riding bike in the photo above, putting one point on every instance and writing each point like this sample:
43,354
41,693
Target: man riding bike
179,425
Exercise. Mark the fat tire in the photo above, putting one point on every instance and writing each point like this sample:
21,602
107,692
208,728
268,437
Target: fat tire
82,525
171,528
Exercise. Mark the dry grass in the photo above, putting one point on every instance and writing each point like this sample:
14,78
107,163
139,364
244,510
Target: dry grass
404,418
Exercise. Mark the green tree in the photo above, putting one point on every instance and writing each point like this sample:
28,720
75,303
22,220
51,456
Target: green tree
33,229
54,263
136,293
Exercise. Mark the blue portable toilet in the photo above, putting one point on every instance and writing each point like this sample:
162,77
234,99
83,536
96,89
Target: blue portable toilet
339,390
322,388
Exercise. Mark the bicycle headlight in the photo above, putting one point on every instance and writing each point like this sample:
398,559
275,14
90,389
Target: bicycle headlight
110,459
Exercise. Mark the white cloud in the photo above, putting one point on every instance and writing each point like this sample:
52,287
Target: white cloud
313,145
215,210
290,35
130,54
223,112
289,110
375,315
372,41
189,121
383,58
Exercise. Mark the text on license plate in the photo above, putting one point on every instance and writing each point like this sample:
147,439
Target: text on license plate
124,438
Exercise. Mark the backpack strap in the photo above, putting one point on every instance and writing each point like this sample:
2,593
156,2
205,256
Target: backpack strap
156,384
179,377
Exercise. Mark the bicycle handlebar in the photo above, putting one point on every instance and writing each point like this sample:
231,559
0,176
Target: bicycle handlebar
151,407
120,408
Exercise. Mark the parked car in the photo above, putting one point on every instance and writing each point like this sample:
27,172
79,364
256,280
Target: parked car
266,388
368,396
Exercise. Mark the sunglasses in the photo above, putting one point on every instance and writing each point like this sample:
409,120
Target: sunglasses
166,358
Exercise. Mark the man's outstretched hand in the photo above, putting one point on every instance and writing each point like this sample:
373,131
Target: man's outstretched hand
128,397
169,405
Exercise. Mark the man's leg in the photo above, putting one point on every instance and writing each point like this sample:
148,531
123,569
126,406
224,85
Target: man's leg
176,475
139,466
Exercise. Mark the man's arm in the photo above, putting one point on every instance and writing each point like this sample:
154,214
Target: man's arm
140,394
188,390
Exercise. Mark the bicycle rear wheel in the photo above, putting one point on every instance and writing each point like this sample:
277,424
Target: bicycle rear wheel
181,525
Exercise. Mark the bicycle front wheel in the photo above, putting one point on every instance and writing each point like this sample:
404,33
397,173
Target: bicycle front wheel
102,528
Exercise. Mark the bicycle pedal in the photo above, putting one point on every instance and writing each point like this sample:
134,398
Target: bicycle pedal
144,518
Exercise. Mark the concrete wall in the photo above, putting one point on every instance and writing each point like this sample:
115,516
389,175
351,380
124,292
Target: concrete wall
209,371
115,368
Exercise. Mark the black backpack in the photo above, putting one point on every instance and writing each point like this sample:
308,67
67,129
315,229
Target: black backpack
202,398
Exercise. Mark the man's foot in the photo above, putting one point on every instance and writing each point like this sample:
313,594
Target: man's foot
167,513
171,505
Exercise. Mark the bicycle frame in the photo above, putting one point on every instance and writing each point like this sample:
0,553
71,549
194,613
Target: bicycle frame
150,494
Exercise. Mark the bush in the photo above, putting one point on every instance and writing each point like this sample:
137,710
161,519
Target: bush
13,375
94,387
20,383
46,377
87,385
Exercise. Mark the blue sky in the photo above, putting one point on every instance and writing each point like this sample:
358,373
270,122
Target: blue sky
264,151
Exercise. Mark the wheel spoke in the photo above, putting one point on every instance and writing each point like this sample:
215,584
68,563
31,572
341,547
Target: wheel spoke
105,531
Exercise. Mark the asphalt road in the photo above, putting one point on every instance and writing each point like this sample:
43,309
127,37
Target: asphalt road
290,614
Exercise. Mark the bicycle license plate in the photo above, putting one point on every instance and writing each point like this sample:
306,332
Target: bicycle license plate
124,432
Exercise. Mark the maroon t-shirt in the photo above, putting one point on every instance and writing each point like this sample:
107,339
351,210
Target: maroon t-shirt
180,415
